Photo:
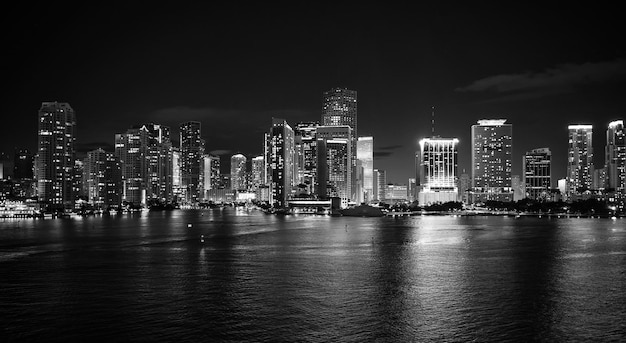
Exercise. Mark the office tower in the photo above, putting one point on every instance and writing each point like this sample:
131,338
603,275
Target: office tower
23,164
339,108
380,184
131,150
160,168
517,186
176,181
191,151
615,157
437,170
579,159
365,154
257,171
537,173
340,172
55,155
600,179
7,167
306,154
465,187
77,180
281,157
410,189
492,148
210,173
102,179
238,172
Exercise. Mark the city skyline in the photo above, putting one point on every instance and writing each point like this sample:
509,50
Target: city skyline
131,67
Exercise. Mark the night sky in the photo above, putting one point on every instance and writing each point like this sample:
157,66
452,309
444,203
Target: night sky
233,68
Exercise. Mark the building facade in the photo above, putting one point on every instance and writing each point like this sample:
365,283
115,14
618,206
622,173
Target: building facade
492,150
238,172
281,162
615,157
365,154
579,159
191,151
537,174
437,172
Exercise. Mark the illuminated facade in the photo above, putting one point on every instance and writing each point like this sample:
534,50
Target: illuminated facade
492,149
365,154
55,155
191,151
615,157
339,164
437,172
257,172
537,174
579,159
281,153
380,183
210,174
102,179
306,154
238,172
131,150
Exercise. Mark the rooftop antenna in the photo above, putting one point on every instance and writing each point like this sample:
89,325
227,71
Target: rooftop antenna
433,121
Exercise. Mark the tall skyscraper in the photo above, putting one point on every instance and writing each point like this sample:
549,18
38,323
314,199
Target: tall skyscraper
339,164
365,154
579,159
191,151
339,108
23,164
211,178
615,157
257,172
131,149
102,179
380,184
306,154
537,174
492,149
437,173
238,172
281,157
56,155
160,171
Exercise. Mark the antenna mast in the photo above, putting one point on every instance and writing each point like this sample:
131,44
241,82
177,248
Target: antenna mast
433,121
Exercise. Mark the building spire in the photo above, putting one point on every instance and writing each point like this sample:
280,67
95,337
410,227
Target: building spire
433,121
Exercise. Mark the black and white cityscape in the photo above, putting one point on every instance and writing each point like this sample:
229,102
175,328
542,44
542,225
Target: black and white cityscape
310,172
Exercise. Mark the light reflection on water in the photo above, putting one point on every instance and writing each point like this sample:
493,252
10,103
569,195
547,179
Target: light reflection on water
313,278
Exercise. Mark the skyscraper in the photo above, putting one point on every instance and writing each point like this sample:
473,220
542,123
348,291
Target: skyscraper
56,155
340,169
492,148
257,171
281,157
380,184
306,154
339,108
579,159
23,164
160,171
191,151
615,157
537,173
437,173
210,173
102,179
131,149
238,172
365,154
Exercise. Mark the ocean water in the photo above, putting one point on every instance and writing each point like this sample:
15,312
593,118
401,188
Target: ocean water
236,276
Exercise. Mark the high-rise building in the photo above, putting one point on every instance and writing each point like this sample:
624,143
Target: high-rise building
465,187
7,166
176,182
365,154
339,108
579,159
306,154
191,151
615,157
281,161
599,179
159,164
211,179
437,173
238,172
131,148
102,179
257,168
537,174
492,149
339,166
23,164
380,184
55,155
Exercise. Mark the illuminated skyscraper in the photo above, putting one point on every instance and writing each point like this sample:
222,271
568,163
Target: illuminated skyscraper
281,161
365,154
492,148
616,156
238,172
191,151
211,178
55,155
257,172
437,171
537,173
380,184
102,179
339,108
306,154
131,149
579,159
159,164
339,164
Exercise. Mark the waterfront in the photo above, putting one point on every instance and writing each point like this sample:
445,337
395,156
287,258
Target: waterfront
257,277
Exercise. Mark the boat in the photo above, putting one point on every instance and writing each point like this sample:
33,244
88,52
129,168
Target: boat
362,211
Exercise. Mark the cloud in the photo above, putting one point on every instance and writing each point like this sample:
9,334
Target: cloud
563,78
386,151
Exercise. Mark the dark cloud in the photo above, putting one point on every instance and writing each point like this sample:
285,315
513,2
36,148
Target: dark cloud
564,78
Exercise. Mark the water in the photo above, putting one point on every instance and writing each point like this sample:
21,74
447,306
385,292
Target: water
257,277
